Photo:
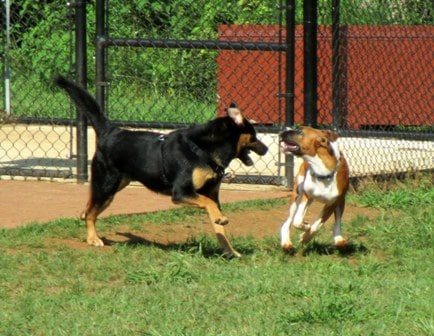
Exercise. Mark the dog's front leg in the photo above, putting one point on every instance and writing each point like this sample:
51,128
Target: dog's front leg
217,220
297,211
325,214
300,213
224,242
285,230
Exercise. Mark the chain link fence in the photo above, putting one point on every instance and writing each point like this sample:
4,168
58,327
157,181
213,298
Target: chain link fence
166,64
36,133
178,71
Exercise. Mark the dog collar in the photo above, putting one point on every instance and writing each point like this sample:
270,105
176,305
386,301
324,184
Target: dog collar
219,170
328,176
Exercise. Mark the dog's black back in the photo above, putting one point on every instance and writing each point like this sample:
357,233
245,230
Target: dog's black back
158,160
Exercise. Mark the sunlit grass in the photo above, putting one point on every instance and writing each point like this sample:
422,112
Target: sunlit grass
380,285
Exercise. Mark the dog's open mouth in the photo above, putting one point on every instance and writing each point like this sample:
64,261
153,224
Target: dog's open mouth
289,147
245,157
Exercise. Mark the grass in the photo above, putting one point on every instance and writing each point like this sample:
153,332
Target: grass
381,285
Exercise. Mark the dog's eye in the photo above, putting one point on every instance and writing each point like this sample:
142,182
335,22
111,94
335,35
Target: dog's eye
294,128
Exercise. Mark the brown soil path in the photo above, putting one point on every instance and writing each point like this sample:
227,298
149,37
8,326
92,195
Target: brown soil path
22,202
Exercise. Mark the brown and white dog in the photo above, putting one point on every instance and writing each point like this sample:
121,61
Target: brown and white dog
323,176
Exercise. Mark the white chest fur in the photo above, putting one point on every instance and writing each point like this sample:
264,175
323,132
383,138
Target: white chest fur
322,190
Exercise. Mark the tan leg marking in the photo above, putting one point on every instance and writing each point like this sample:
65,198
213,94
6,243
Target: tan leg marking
217,220
91,213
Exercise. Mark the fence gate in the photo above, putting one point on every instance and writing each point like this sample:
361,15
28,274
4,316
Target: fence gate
36,124
186,68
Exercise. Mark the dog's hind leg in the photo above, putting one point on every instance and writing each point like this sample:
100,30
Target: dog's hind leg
96,205
338,239
122,185
92,211
104,184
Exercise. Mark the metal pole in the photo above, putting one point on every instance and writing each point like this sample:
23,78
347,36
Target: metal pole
289,83
100,54
310,61
81,70
339,83
335,62
7,83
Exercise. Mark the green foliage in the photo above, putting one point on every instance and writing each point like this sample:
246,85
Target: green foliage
31,50
376,12
42,33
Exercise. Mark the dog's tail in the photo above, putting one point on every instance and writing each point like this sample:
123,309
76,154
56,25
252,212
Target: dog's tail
86,103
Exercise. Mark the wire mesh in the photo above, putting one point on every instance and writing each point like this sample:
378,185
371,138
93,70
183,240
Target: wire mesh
35,124
173,63
184,67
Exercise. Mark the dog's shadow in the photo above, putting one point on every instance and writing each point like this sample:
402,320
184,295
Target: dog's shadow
318,248
202,245
206,247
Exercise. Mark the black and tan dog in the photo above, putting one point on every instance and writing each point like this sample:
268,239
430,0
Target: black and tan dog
187,164
323,176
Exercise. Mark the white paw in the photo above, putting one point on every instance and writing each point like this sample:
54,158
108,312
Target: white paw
287,246
95,241
232,254
340,241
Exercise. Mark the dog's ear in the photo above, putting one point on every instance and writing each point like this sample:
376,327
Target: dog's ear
322,141
235,114
332,136
329,136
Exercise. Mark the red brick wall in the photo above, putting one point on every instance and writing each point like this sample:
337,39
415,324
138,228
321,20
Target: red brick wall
390,71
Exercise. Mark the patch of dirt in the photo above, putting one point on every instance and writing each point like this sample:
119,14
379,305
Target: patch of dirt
22,202
256,223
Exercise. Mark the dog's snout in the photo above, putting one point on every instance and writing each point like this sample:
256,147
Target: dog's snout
260,148
289,132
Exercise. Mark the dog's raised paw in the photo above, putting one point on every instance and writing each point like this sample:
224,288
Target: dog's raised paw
306,237
222,221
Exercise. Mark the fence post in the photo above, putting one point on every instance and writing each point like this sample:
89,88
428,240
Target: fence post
100,53
289,83
310,61
81,71
7,43
339,67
